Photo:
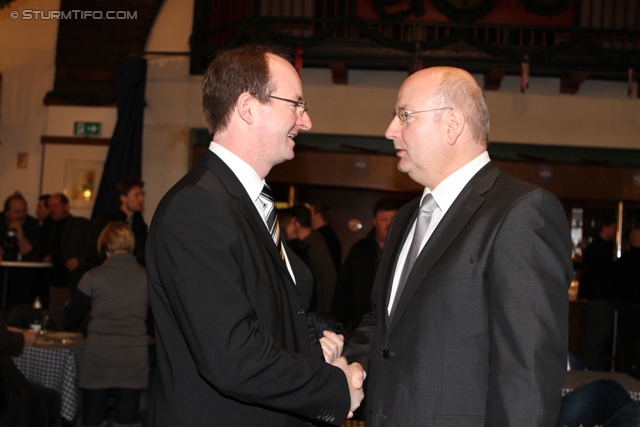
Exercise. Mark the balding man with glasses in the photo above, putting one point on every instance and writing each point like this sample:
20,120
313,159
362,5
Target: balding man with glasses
469,326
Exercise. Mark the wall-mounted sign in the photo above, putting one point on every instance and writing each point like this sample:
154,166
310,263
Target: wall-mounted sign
86,128
545,174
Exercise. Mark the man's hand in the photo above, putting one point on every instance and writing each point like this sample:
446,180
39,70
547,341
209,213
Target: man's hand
72,263
331,344
28,335
355,378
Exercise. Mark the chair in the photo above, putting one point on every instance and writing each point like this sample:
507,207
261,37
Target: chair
629,416
593,403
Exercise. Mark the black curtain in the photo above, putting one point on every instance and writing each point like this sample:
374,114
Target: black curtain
125,151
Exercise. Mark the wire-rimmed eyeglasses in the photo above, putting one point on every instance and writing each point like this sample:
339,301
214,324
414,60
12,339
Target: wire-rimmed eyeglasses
301,104
403,115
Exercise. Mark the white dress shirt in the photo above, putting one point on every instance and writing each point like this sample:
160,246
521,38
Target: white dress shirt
444,195
251,182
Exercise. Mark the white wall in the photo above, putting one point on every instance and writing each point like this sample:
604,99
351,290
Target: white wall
173,99
600,115
27,64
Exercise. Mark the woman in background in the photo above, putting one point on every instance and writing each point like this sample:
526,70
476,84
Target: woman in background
115,353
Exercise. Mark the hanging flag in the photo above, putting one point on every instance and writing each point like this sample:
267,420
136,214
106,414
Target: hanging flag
632,82
417,59
298,63
524,74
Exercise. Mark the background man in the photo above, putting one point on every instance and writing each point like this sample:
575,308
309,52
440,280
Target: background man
22,402
130,194
352,297
474,332
320,216
228,296
627,284
42,210
23,244
26,227
596,285
322,267
66,250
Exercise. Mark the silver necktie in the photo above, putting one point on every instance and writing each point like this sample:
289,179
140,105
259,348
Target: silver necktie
427,207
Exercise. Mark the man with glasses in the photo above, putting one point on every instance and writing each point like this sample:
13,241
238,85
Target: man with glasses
469,326
229,297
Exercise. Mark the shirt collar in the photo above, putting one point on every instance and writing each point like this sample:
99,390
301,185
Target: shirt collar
248,177
449,189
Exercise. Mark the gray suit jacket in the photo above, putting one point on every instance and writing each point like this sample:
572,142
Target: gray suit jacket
479,337
231,331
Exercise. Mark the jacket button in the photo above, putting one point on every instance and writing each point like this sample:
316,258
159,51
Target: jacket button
302,309
385,353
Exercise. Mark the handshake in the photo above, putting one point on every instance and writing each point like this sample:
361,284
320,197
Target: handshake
332,348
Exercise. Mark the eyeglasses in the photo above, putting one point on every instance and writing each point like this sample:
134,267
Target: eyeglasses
301,104
403,115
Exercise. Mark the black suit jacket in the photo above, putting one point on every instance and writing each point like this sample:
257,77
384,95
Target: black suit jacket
479,336
231,332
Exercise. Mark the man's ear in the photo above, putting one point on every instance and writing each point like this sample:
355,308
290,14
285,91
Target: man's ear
455,125
245,106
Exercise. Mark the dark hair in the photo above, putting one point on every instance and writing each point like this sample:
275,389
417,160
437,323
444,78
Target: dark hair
123,187
284,217
385,205
302,214
64,199
324,210
606,222
231,73
44,197
15,196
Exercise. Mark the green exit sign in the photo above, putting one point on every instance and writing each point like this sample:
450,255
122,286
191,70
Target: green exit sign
86,128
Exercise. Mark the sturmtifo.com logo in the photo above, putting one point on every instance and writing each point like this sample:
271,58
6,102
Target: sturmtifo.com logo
29,14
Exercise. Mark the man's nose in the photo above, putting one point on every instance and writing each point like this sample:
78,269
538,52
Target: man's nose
392,129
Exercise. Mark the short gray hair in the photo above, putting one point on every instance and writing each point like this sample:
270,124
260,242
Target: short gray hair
456,90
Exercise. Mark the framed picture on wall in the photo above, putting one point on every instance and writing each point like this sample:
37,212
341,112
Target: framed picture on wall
82,180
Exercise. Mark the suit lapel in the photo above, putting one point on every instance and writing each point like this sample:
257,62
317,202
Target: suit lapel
458,215
245,205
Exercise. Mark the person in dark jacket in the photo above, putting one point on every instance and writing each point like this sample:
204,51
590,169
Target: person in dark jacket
596,285
352,297
130,194
66,249
20,241
22,404
320,217
627,283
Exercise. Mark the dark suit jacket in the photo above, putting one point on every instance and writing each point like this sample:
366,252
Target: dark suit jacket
596,279
352,297
479,337
73,244
231,333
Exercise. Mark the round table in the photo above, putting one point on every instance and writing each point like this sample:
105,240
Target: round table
17,264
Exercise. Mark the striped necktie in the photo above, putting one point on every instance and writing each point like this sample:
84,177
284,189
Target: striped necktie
266,197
